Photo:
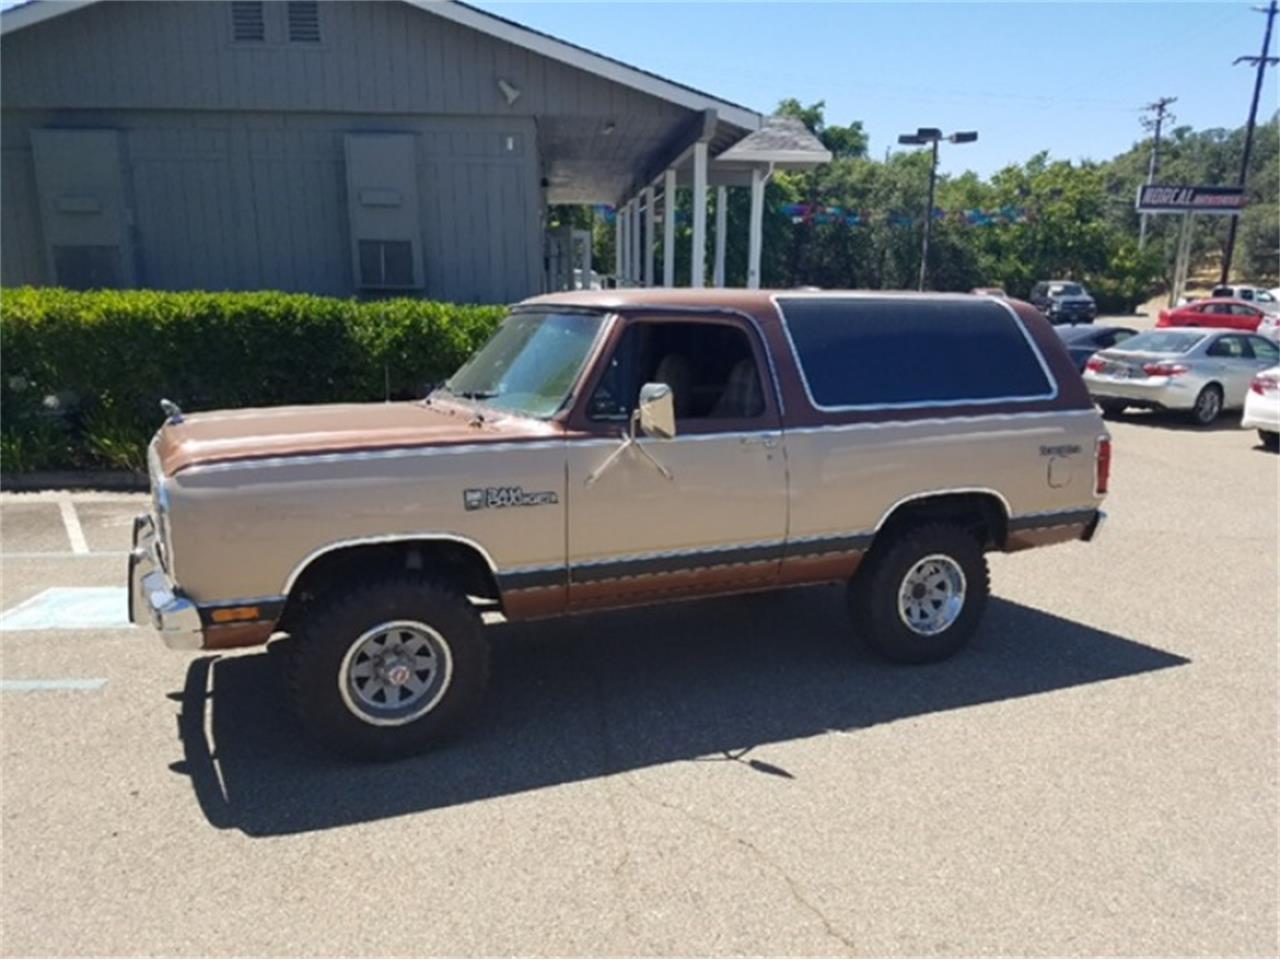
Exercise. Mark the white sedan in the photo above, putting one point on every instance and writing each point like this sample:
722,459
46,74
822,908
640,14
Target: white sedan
1262,407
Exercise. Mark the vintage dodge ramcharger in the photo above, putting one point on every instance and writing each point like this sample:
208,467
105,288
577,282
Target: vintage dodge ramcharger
616,448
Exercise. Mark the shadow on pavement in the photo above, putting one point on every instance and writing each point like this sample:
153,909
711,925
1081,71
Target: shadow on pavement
593,696
1179,420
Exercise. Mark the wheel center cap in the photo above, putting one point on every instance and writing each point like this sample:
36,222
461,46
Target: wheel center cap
917,592
397,673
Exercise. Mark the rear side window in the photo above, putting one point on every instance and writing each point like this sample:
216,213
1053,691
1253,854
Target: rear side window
909,353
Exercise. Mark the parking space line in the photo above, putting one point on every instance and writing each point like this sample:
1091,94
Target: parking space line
75,533
39,686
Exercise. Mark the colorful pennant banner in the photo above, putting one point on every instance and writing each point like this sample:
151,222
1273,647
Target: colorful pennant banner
810,213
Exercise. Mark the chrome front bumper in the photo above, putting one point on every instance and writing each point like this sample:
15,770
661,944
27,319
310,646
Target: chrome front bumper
153,599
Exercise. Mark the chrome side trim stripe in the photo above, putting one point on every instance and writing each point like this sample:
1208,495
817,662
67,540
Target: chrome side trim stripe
1059,518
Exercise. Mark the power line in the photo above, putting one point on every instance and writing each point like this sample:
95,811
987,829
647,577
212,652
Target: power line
1161,109
1260,63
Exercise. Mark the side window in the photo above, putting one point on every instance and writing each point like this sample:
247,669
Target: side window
1264,349
1246,294
1242,311
710,368
1231,348
1121,336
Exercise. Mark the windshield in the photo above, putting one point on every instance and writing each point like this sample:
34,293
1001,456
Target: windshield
531,362
1164,341
1066,290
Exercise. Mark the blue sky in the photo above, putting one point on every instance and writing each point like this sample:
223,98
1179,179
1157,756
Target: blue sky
1028,76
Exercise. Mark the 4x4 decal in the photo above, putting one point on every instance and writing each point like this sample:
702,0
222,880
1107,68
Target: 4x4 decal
483,498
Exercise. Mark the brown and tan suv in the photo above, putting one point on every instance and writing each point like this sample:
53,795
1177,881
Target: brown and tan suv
619,448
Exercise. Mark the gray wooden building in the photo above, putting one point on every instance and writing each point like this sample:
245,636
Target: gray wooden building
348,148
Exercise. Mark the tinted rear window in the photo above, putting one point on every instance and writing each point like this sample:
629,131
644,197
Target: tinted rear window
878,352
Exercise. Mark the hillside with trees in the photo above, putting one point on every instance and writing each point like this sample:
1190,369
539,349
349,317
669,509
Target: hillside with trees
856,221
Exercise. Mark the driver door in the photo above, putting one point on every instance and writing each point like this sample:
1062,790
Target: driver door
718,524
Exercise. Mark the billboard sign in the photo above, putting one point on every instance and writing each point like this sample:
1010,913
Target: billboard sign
1158,198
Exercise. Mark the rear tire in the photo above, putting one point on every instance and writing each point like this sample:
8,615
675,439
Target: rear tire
918,598
1270,439
1111,408
1208,405
388,668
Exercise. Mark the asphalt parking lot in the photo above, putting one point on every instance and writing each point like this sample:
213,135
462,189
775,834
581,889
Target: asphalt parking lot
1097,774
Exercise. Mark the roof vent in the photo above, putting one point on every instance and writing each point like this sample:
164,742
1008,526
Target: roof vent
248,23
304,21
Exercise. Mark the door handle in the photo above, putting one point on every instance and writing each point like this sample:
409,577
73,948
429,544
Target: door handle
768,442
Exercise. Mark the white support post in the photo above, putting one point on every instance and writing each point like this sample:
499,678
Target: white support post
698,255
636,274
617,246
650,217
669,228
755,228
717,270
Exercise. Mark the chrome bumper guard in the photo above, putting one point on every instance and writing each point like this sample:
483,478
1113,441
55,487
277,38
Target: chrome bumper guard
153,600
1095,527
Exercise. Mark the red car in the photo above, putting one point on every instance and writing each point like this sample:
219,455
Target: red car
1217,312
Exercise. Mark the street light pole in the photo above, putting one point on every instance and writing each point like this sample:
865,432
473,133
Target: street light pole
1261,63
932,136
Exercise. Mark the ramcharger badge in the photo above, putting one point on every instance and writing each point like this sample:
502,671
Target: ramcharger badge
497,497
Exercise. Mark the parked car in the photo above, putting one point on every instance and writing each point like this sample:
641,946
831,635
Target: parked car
1269,326
996,292
1258,296
1083,340
1262,407
1200,371
1226,314
1064,301
614,448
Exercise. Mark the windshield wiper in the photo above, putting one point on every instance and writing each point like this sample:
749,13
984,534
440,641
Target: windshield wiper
476,394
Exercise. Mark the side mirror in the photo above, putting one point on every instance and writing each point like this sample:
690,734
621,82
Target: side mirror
657,412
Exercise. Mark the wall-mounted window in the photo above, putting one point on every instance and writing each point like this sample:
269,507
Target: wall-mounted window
386,264
248,21
304,21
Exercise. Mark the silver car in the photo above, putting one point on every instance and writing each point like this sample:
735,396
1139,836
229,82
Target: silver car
1200,371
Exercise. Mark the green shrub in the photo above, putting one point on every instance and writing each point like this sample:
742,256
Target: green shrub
109,356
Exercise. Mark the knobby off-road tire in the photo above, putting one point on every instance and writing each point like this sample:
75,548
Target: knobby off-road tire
1208,405
388,668
919,597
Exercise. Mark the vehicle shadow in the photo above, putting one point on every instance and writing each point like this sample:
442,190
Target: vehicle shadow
1177,420
598,695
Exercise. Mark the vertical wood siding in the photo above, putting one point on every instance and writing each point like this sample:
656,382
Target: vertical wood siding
248,201
381,56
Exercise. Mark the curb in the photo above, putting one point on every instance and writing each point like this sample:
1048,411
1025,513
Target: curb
116,480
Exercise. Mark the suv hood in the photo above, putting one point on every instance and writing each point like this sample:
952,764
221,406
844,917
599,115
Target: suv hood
228,435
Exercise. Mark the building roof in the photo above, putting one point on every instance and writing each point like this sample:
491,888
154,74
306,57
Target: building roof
37,11
780,140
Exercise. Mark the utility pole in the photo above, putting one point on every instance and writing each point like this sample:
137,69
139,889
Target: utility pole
932,136
1260,63
1161,108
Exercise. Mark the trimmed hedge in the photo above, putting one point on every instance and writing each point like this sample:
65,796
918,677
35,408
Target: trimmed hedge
81,374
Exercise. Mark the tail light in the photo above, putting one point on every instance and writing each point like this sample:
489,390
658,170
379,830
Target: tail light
1094,364
1264,384
1102,465
1163,369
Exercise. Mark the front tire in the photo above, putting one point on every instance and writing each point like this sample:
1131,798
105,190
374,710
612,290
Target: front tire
388,668
920,596
1208,405
1270,439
